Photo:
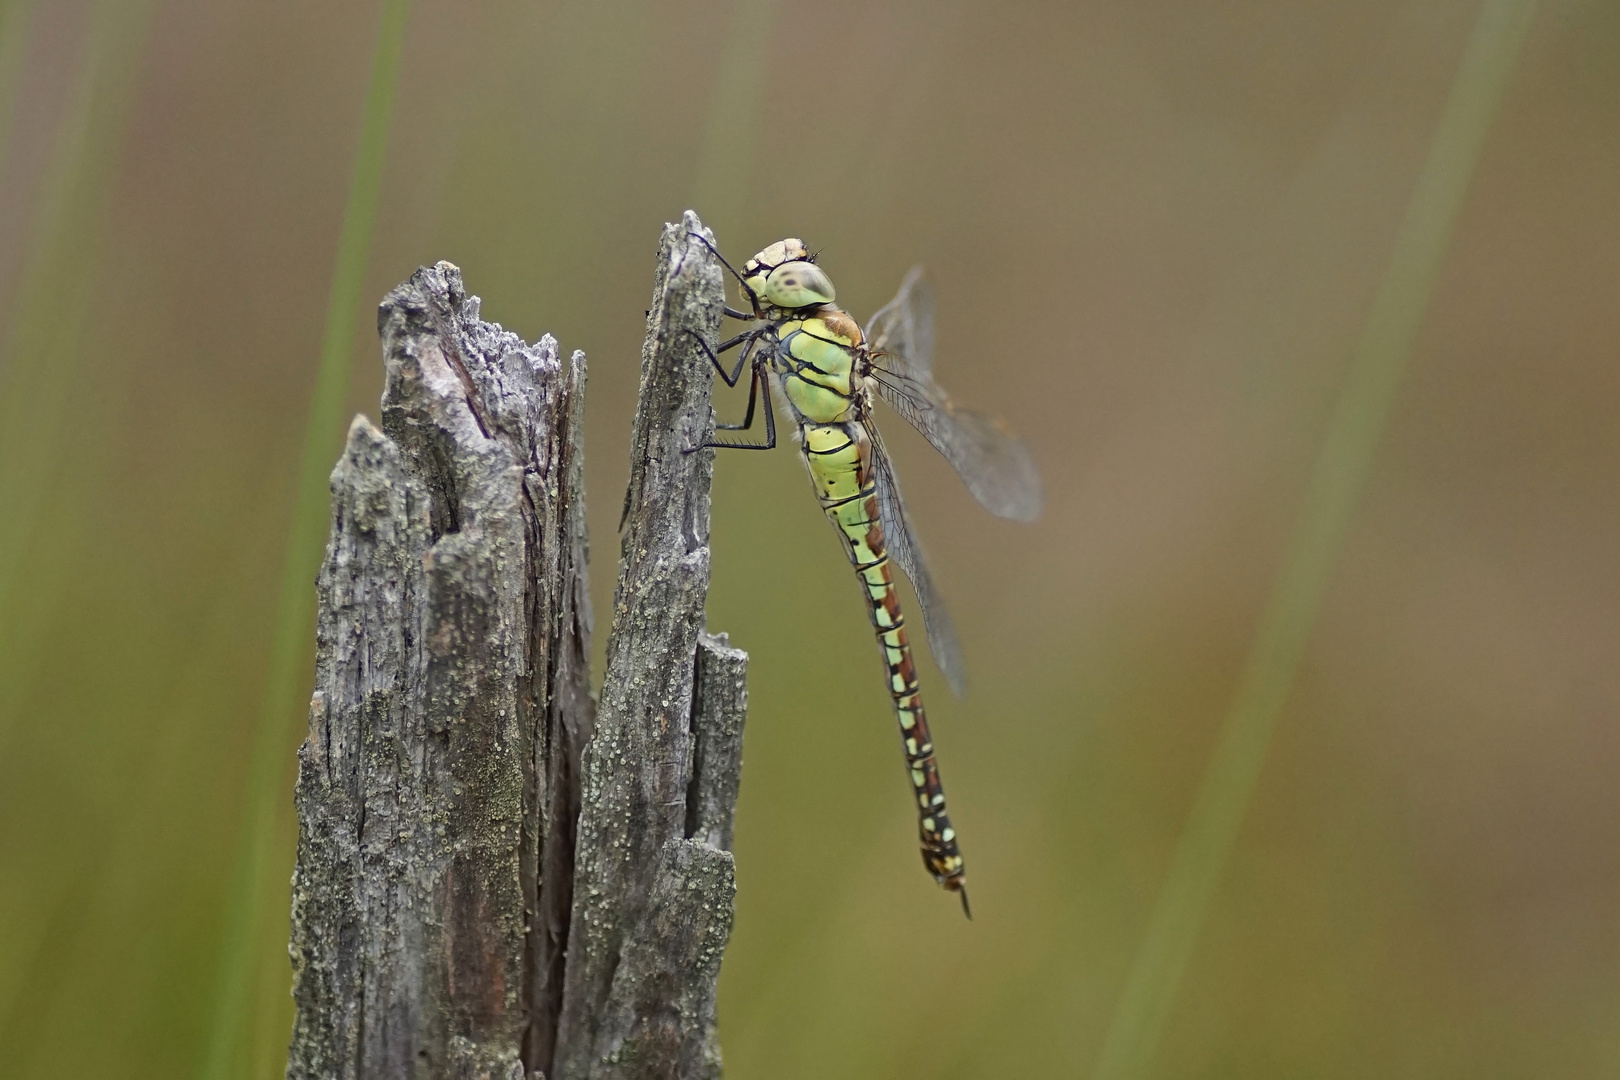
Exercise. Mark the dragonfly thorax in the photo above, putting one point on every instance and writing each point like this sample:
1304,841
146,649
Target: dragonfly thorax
783,276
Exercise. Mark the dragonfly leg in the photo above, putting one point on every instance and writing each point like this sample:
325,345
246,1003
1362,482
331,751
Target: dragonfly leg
748,415
752,299
731,378
755,386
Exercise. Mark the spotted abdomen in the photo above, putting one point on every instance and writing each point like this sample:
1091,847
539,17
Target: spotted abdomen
839,456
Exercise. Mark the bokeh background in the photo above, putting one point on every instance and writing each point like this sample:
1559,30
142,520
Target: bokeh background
1155,229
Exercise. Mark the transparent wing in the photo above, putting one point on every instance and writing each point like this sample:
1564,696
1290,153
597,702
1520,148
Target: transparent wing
992,461
903,549
905,327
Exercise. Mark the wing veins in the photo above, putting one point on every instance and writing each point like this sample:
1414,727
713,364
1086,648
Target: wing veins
904,549
993,463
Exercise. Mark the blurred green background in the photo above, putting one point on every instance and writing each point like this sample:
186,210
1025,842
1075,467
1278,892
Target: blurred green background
1155,229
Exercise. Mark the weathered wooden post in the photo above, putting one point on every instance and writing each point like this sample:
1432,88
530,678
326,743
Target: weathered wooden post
493,882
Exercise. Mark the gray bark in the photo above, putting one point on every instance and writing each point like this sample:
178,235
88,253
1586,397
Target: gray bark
649,899
478,894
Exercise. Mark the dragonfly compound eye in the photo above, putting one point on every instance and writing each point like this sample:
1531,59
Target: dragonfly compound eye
798,284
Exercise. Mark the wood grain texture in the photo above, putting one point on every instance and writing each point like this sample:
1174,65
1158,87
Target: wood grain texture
497,878
649,902
437,788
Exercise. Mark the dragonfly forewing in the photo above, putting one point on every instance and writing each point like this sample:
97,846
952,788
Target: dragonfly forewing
905,326
992,461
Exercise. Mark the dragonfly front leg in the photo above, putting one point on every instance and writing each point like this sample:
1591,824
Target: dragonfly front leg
752,298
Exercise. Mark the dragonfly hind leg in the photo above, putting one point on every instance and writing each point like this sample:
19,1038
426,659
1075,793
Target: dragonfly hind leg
754,387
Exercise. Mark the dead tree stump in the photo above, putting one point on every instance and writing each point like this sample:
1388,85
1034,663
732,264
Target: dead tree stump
497,878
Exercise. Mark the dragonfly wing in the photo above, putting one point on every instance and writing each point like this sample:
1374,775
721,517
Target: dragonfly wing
904,549
992,461
904,327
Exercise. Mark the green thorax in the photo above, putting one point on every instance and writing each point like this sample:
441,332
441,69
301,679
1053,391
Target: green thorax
815,360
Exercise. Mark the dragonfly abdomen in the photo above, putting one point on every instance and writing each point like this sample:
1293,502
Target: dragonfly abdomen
840,459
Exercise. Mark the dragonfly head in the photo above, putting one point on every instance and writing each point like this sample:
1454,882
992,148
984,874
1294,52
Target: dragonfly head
784,276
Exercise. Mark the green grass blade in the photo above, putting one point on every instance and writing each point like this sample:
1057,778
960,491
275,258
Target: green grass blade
286,680
42,331
1341,469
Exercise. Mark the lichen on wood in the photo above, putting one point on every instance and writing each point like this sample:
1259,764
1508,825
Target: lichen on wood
648,898
493,882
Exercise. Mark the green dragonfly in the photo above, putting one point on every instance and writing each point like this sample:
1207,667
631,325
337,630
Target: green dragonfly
827,370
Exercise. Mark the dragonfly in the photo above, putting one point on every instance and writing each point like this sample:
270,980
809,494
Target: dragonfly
828,370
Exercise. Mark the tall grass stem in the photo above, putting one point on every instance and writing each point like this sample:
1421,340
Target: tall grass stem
254,881
42,329
1340,471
